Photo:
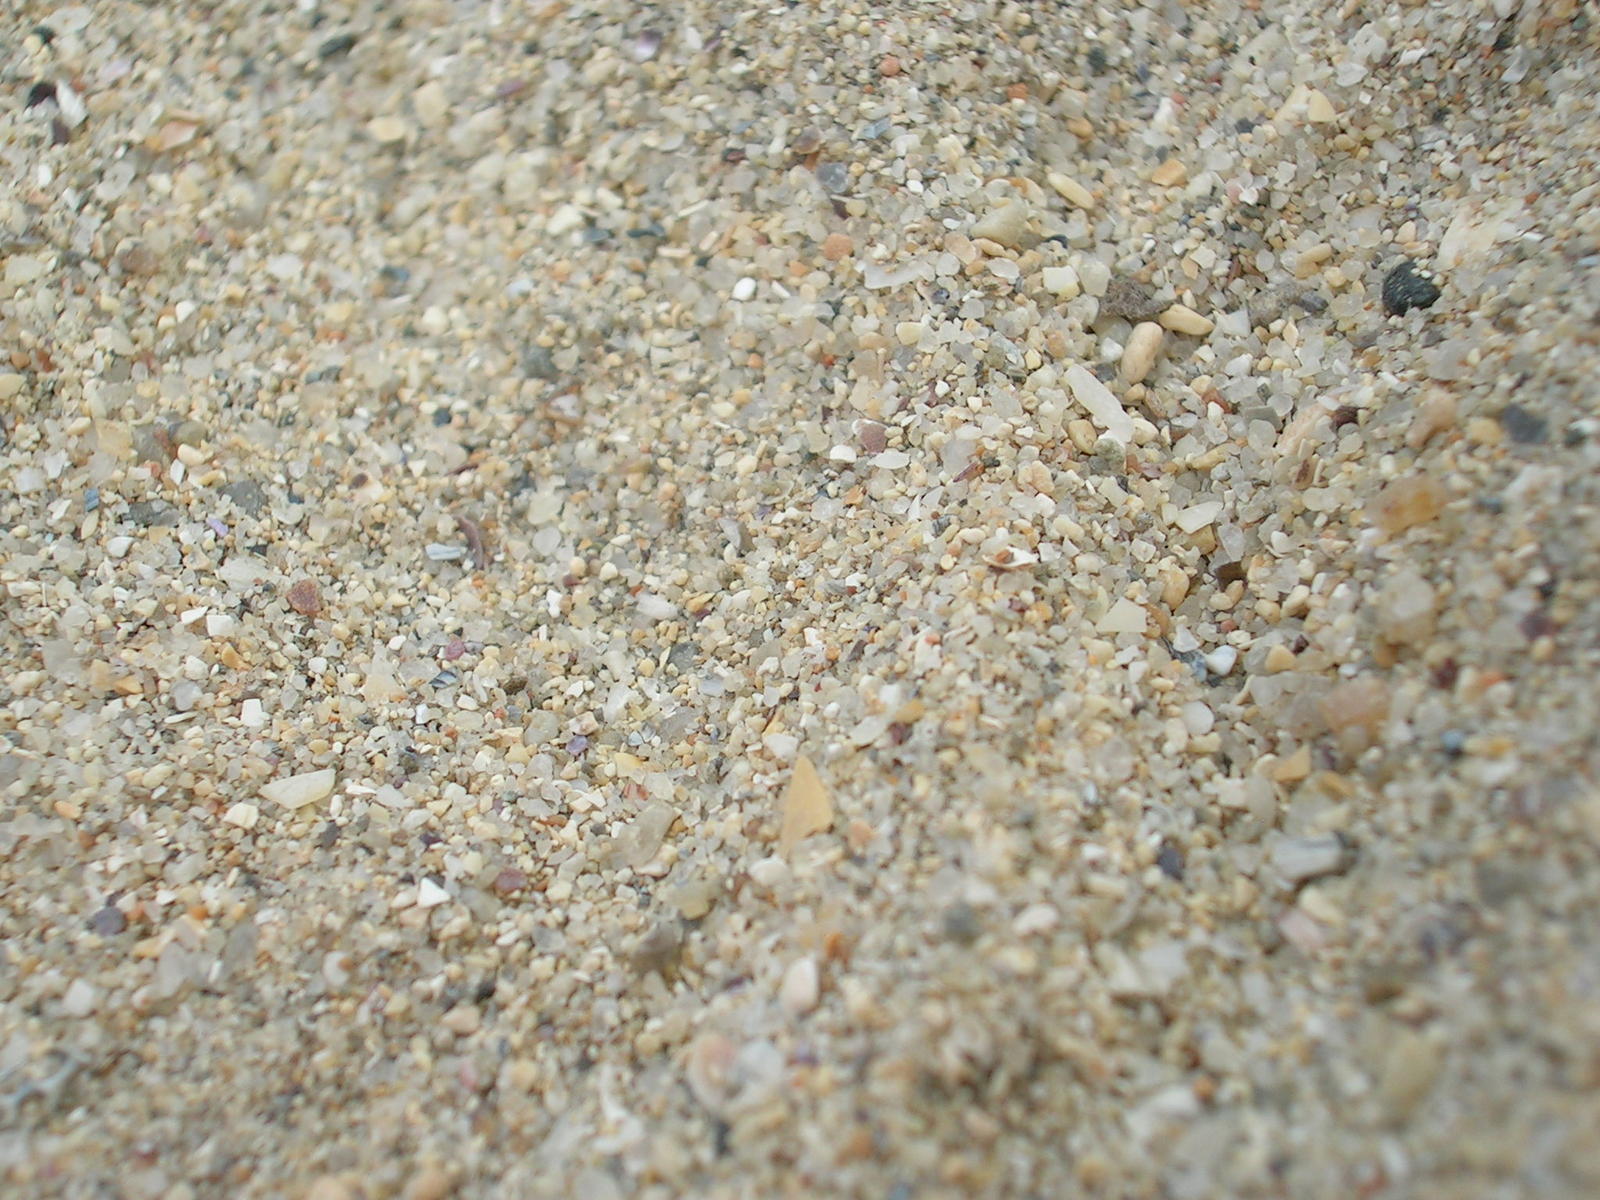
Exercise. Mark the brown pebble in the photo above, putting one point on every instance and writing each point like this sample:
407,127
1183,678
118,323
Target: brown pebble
837,246
889,67
510,881
304,597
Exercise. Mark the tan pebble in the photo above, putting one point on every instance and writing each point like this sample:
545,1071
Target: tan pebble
1279,658
462,1020
329,1187
1485,432
1174,586
1180,318
1139,355
1070,190
889,66
10,385
1319,109
1406,502
1006,224
431,1183
837,246
1411,1063
1435,415
431,104
1171,173
386,130
1294,768
807,806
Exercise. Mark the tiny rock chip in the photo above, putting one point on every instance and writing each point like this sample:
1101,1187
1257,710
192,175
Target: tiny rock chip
807,806
837,246
297,791
1404,289
304,597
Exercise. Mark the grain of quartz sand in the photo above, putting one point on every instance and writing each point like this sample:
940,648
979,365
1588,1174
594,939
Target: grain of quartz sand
724,601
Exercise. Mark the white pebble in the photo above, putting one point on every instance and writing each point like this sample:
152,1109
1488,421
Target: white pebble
1061,282
430,894
1222,660
769,872
744,289
1298,859
801,987
252,714
1122,617
80,998
297,791
1197,516
1198,718
1101,405
243,814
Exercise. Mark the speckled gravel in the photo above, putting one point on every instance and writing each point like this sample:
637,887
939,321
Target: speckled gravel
868,600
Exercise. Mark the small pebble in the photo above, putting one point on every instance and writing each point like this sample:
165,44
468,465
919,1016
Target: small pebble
1139,355
1301,859
1070,190
1006,224
800,989
430,894
1180,318
1404,289
297,791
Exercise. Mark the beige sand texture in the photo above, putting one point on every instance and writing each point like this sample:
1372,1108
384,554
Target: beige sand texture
909,600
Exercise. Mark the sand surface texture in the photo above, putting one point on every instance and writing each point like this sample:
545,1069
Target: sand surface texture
908,600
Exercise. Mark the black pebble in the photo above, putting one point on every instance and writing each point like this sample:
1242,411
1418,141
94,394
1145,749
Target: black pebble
1170,860
152,514
336,46
109,921
40,93
1523,426
248,495
1404,289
